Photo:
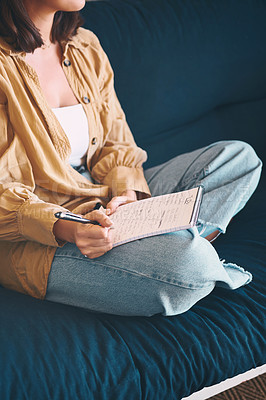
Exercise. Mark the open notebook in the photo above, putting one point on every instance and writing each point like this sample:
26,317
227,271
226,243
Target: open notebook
156,215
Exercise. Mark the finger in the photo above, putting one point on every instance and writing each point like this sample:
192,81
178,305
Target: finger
94,255
116,202
100,217
95,237
90,234
96,251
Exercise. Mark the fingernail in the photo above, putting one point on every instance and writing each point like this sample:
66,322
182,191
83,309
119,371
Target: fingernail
108,211
109,227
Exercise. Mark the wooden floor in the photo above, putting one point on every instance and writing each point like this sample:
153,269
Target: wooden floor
254,389
232,389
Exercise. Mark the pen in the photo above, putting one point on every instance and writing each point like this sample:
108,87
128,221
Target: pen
68,216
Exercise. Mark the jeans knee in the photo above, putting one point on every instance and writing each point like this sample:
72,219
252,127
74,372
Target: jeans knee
177,300
192,277
246,154
238,159
189,260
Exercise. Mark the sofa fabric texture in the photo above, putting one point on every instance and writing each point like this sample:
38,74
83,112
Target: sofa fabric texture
187,73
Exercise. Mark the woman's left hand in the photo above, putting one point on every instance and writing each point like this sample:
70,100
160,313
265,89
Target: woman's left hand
128,196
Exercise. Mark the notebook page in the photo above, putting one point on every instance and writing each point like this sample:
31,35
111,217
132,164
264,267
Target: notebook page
156,215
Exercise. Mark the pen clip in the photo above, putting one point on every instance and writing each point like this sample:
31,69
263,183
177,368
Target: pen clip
63,214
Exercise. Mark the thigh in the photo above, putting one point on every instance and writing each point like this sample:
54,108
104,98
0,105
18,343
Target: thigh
176,174
228,171
164,274
187,170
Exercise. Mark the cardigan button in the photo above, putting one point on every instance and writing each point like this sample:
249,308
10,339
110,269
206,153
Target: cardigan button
86,99
67,63
94,140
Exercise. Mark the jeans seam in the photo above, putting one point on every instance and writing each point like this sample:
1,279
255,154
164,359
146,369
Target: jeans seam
170,282
195,177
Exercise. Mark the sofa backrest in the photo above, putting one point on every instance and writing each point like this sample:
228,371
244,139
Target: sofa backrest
187,72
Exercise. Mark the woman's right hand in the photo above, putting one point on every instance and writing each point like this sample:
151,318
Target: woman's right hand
92,240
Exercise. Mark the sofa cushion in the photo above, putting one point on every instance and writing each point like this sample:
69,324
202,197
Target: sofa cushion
188,73
52,351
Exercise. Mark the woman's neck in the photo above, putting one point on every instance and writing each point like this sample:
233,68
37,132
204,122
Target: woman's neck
42,17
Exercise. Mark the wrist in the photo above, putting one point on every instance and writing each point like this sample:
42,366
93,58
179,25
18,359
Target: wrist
64,231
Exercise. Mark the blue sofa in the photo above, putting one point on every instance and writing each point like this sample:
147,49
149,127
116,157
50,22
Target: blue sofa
188,73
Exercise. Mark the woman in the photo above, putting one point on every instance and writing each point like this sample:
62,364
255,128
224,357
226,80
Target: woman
65,145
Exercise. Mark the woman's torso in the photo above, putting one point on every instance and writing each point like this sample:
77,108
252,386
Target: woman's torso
47,63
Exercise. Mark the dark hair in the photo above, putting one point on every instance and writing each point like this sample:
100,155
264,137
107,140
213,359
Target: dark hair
18,29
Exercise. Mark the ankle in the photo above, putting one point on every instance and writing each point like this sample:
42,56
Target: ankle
212,236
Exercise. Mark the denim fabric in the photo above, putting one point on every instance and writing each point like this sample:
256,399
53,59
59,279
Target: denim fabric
168,273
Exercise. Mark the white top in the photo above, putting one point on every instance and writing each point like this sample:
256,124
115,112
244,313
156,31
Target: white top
75,125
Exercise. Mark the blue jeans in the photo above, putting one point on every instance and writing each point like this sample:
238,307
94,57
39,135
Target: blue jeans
168,273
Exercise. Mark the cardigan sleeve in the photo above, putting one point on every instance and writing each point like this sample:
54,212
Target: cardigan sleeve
23,216
118,163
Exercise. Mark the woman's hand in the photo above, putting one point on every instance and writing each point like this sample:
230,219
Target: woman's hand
92,240
127,196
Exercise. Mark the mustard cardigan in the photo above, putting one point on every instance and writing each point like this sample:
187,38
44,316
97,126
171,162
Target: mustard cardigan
36,179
